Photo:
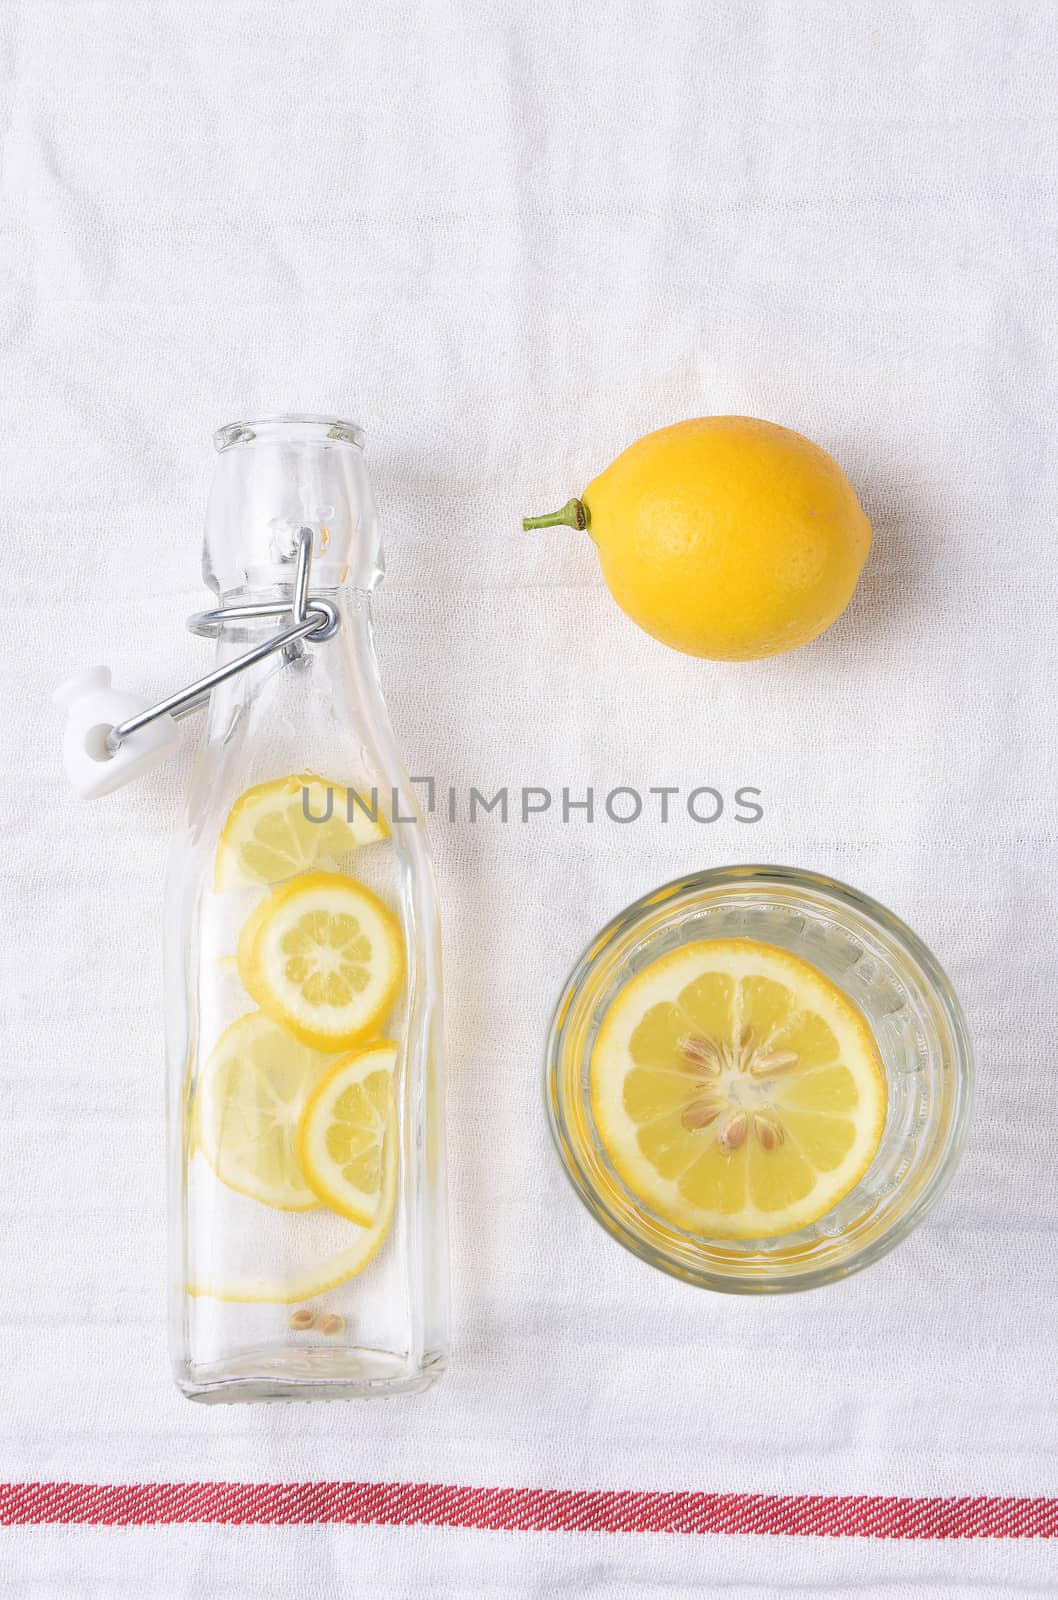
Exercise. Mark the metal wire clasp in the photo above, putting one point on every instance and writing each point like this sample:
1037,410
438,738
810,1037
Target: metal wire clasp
312,618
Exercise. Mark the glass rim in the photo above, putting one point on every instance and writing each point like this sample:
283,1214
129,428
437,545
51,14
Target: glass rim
314,425
955,1132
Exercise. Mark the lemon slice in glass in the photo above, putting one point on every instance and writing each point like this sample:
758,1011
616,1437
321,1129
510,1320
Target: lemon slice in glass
738,1092
250,1096
270,833
323,956
348,1120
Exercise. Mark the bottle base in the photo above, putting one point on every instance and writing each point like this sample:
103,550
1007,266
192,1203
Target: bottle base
291,1374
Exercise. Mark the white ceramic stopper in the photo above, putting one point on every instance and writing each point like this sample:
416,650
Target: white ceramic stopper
92,709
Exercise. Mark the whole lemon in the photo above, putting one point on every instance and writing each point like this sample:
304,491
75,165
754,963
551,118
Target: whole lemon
725,537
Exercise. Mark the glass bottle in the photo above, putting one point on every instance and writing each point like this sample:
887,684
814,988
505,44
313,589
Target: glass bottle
307,1181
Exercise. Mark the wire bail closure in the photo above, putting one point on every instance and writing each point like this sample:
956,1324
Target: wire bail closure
313,619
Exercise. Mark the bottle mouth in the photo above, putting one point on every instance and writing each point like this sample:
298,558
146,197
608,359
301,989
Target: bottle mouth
292,428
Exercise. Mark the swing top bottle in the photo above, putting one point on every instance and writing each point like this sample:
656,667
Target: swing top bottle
303,990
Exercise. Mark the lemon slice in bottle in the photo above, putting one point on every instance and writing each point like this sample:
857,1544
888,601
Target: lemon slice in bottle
738,1092
348,1120
250,1096
250,1288
323,956
270,834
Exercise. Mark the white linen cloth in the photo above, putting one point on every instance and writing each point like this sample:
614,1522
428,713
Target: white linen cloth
509,238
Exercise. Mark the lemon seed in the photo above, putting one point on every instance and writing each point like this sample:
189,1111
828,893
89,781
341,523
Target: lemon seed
769,1131
734,1131
301,1318
699,1114
701,1053
768,1062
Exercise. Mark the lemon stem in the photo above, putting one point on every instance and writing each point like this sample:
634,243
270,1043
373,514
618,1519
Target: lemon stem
574,514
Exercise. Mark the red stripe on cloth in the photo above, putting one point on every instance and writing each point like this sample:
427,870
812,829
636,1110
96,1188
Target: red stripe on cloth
535,1510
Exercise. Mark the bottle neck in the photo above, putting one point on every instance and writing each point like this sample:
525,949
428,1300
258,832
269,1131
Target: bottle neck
344,597
318,710
343,614
306,679
276,478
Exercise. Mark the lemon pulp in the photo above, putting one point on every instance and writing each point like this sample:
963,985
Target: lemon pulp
364,1244
278,829
738,1092
250,1096
323,956
344,1128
